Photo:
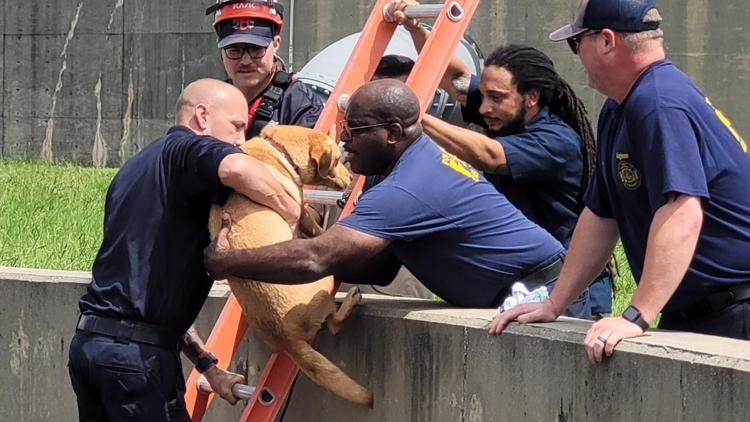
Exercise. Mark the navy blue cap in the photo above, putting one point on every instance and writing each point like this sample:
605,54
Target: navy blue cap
617,15
245,31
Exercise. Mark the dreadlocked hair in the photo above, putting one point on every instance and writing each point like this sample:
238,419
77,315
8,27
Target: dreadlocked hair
533,70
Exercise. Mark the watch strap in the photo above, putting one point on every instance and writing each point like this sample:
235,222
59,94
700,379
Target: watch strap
205,362
638,320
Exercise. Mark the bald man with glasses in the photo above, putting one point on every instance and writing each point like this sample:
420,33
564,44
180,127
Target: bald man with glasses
432,212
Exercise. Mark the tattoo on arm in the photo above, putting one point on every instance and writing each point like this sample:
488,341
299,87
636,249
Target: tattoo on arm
192,345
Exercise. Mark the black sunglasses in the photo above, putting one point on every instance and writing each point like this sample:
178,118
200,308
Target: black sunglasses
236,52
574,42
346,131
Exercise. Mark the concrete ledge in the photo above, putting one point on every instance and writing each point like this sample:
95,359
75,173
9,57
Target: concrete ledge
422,360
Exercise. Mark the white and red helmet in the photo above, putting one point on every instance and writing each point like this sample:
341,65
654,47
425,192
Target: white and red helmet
268,10
254,22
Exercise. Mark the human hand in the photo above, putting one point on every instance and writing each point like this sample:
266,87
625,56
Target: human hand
215,252
605,334
524,314
289,209
222,381
395,13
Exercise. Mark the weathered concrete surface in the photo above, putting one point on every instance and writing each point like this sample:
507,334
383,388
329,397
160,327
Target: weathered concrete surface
404,285
422,360
438,364
38,313
94,81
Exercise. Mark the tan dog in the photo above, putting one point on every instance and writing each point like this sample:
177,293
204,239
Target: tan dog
287,317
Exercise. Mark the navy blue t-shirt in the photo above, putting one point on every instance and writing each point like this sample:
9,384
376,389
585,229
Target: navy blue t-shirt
150,265
451,228
666,138
545,165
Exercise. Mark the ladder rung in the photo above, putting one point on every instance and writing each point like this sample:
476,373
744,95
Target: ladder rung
322,197
422,11
241,391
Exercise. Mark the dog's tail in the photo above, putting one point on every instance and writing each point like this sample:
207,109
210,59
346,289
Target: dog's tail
327,375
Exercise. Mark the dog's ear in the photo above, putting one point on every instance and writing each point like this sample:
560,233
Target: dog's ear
321,153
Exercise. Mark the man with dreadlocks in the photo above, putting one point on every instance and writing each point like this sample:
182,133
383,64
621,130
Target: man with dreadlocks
539,147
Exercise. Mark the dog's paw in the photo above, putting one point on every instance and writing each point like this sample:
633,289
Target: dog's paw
354,294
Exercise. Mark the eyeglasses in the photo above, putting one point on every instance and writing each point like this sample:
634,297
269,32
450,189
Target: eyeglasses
574,42
346,131
236,53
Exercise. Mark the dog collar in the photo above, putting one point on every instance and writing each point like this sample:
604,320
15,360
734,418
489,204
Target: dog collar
283,152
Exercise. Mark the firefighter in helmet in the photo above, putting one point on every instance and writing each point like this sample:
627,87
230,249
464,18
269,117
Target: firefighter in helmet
249,35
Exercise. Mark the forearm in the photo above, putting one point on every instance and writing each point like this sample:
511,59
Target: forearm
457,76
379,270
192,345
291,262
483,153
672,239
252,179
590,249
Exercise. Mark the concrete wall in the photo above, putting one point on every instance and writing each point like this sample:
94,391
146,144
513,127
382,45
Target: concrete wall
422,360
94,81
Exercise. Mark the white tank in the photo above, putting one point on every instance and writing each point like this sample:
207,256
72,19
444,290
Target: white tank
323,70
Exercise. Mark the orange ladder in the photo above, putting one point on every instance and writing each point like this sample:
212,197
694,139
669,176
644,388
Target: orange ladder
453,18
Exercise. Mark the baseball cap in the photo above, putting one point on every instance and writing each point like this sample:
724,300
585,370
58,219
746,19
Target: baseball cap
617,15
245,31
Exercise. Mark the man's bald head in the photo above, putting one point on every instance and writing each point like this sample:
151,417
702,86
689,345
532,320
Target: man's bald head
211,92
384,100
215,108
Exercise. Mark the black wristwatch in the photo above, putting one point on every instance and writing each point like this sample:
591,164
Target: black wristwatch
205,362
633,315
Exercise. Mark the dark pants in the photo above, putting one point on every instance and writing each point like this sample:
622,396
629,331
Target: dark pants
732,321
125,382
600,293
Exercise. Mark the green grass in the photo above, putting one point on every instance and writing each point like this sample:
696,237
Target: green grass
624,283
51,215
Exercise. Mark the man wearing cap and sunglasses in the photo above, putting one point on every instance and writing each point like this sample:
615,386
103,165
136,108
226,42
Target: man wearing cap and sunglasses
670,181
433,213
249,33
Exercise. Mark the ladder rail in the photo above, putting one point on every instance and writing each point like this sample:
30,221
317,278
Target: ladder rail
423,80
453,18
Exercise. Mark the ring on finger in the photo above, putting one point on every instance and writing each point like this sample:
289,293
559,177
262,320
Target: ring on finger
602,339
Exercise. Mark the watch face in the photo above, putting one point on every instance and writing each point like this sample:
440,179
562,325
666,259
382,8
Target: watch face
630,313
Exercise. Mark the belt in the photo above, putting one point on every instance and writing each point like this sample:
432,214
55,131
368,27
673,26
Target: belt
714,302
537,277
541,276
124,331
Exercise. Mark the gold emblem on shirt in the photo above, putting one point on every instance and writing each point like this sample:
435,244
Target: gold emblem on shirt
629,175
459,166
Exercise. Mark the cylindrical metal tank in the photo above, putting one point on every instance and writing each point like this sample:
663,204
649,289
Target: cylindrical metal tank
323,70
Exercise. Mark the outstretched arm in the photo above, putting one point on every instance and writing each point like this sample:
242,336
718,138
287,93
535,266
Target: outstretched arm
482,152
220,380
672,239
593,241
296,261
249,177
457,76
379,270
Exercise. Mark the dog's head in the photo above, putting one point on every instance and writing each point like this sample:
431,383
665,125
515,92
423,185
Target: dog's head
316,155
